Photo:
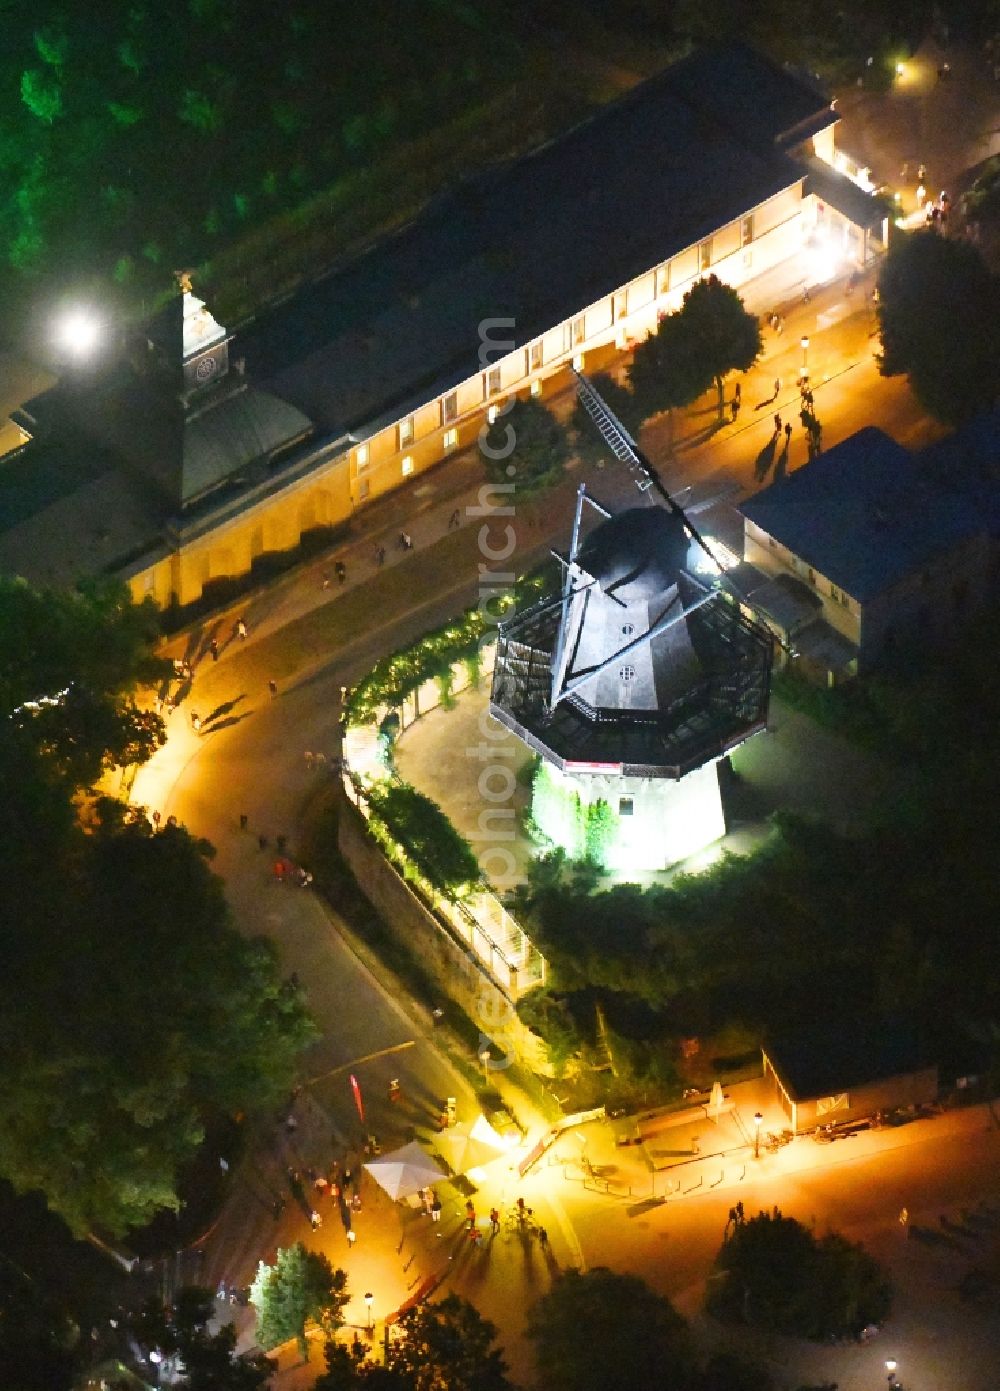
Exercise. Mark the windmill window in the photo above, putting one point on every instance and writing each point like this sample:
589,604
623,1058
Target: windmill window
626,674
628,629
626,806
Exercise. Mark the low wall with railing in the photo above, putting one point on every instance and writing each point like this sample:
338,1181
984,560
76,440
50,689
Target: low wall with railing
456,967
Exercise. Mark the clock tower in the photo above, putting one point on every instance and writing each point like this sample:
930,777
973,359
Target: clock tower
205,343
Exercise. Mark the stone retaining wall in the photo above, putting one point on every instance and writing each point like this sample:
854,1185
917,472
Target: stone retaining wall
453,968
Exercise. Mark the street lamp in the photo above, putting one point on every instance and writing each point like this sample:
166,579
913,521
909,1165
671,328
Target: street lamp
369,1301
758,1120
78,333
484,1061
804,345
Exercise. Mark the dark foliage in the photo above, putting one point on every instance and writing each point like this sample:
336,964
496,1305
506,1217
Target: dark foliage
939,319
773,1273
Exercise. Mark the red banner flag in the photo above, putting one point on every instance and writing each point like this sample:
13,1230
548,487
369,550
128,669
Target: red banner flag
357,1098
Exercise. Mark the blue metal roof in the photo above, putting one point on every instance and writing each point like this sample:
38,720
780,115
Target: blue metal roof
867,513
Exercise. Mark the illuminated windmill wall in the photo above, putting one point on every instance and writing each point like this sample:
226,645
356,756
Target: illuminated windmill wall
631,683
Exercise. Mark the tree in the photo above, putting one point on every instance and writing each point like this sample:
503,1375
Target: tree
773,1273
448,1345
437,1347
37,1338
301,1287
664,374
525,446
939,322
607,1332
112,1067
71,662
714,334
209,1359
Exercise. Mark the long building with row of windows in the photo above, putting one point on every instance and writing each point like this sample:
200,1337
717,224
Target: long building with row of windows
197,454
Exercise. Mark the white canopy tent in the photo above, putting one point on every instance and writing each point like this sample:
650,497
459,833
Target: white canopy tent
405,1171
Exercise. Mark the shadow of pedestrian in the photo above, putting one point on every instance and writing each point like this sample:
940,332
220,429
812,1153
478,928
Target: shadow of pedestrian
781,466
223,709
764,460
233,719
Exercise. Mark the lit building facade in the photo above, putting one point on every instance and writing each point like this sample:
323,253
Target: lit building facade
393,361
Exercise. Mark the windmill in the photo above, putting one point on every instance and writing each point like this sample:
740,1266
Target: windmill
634,679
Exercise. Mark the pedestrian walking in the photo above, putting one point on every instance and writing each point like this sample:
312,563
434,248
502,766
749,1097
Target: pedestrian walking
543,1238
454,519
352,1236
213,647
494,1220
195,721
470,1210
156,819
282,844
262,842
777,423
244,820
436,1209
380,556
738,394
734,410
305,878
405,541
315,1221
521,1210
777,385
272,686
921,173
476,1236
241,629
340,570
326,579
788,433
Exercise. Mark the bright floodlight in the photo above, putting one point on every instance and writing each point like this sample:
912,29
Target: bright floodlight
78,333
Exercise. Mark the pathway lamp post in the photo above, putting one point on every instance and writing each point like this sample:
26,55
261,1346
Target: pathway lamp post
758,1120
369,1301
804,369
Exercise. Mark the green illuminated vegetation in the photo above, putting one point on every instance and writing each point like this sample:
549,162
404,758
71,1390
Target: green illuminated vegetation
395,678
583,831
131,1012
301,1287
259,142
403,819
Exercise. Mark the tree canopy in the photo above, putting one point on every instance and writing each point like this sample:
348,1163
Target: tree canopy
446,1346
607,1332
526,445
714,333
209,1359
772,1272
664,373
939,321
131,1011
300,1287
